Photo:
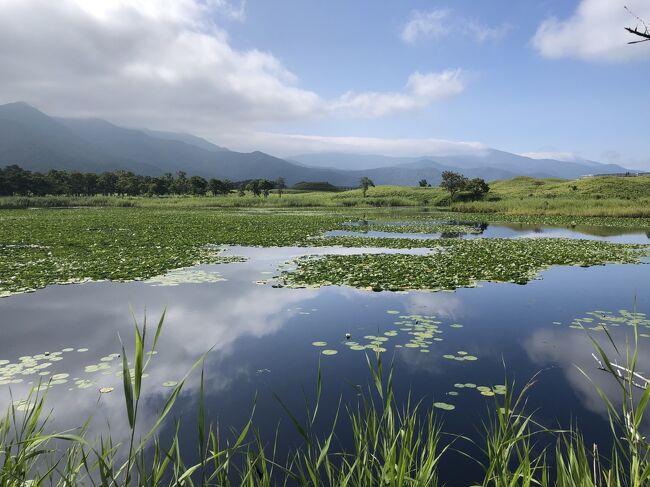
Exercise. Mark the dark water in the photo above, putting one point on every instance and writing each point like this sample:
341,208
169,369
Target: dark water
262,338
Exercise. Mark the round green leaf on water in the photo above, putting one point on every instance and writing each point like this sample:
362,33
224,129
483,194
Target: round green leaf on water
443,405
329,352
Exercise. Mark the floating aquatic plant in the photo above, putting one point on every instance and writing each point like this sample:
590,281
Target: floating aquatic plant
445,406
600,320
185,276
457,263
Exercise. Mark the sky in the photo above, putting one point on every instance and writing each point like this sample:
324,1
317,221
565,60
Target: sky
545,78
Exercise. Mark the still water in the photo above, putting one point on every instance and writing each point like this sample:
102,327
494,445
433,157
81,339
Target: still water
261,338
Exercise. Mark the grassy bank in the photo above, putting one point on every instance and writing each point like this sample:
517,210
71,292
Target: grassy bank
624,197
381,196
602,196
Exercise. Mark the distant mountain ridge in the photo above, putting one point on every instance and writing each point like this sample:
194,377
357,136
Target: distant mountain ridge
38,142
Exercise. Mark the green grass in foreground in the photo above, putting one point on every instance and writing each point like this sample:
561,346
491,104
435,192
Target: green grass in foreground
455,263
391,443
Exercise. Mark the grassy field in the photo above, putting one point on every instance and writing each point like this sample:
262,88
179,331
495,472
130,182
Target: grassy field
381,196
601,196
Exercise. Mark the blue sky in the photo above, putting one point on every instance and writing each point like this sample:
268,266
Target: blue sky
515,99
393,77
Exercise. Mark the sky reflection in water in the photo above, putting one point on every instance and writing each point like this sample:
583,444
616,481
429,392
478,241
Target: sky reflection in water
262,340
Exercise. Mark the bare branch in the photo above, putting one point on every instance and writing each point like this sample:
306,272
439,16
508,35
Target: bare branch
636,31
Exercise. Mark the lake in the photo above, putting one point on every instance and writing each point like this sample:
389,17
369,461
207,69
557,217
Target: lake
261,339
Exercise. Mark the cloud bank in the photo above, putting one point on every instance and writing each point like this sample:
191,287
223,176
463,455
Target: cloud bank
285,145
167,64
595,32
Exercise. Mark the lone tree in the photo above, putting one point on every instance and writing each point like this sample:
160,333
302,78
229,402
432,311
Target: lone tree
266,186
423,183
453,182
254,187
365,183
280,184
477,187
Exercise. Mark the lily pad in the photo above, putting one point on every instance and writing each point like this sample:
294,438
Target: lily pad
445,406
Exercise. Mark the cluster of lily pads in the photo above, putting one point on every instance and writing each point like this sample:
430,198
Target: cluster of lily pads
35,370
600,320
423,330
185,276
488,391
455,263
413,226
461,355
38,248
549,220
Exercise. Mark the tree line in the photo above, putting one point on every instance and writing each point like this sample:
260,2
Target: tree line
16,181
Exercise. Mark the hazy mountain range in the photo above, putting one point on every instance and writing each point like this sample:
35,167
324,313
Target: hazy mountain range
38,142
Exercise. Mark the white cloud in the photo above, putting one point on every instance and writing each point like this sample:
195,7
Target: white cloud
422,89
439,23
285,145
556,155
594,32
143,62
165,64
432,25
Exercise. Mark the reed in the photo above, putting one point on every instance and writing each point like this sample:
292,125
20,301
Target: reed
374,440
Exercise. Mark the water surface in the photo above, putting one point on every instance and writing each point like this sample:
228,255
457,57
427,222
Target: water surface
262,342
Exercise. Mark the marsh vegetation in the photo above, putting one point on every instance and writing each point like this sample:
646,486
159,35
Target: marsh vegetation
389,378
